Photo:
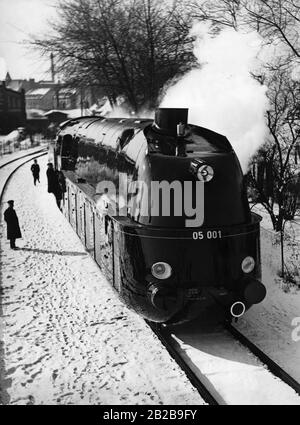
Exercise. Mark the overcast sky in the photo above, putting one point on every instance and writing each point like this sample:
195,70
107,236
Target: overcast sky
19,19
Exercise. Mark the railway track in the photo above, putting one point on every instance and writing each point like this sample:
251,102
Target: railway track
208,390
264,358
211,390
22,156
19,162
166,339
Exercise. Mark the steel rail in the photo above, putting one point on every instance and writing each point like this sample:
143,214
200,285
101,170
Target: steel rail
166,339
23,156
273,367
32,155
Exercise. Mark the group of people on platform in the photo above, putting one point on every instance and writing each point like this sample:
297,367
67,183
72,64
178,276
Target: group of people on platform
56,185
56,180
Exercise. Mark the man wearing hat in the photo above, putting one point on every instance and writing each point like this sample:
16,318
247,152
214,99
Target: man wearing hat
13,228
51,177
35,169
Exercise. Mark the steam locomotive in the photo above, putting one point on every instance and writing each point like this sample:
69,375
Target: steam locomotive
162,208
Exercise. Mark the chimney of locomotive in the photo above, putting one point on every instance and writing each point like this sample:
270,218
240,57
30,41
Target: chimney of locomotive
171,121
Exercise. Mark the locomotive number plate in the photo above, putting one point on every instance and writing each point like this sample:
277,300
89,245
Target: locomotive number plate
207,234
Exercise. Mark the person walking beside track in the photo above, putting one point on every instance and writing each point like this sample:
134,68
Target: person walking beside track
35,169
12,222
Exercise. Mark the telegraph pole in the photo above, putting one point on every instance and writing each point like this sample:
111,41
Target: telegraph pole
81,100
52,68
53,81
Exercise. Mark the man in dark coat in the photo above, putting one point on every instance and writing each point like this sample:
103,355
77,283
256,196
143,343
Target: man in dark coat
62,181
58,189
35,169
12,222
54,183
51,176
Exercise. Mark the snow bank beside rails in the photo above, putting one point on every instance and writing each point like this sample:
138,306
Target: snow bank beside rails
67,337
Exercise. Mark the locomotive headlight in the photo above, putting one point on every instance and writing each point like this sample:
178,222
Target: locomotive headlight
205,173
161,270
248,264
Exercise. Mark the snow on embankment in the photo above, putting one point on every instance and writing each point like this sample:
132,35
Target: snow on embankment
67,338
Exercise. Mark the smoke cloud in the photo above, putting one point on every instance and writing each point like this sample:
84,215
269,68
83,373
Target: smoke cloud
220,93
295,71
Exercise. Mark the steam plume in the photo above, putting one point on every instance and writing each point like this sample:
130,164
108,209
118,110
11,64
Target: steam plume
221,94
3,69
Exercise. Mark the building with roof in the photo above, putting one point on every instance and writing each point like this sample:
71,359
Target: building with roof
20,84
67,98
41,98
53,97
12,109
48,96
37,122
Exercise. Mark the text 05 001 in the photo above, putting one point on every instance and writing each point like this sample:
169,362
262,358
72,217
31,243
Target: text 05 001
208,234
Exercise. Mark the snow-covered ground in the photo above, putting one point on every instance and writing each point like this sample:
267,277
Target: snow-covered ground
67,339
271,247
272,324
18,154
292,227
229,370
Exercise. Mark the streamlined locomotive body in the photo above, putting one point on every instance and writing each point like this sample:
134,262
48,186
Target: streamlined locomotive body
162,208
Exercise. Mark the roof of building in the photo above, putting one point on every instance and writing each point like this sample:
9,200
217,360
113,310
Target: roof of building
55,111
38,92
67,92
70,113
15,85
35,114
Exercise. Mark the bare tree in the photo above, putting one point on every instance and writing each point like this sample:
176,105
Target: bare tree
129,48
219,13
274,177
274,173
276,20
